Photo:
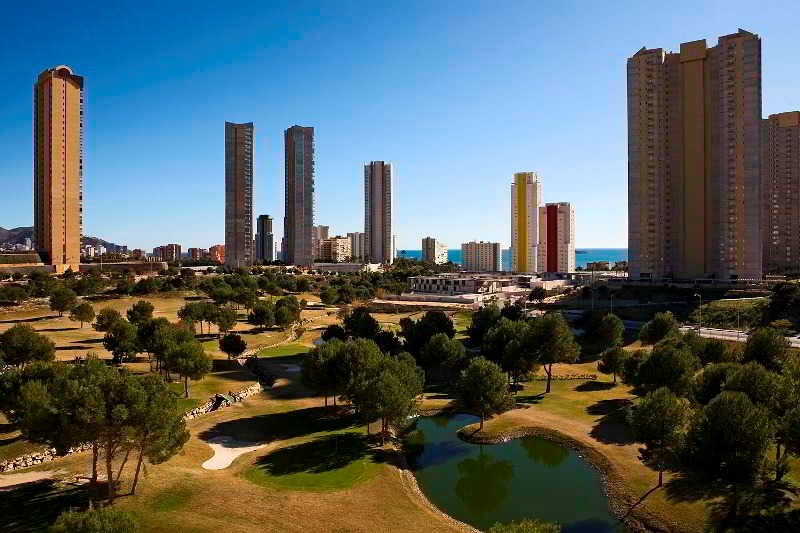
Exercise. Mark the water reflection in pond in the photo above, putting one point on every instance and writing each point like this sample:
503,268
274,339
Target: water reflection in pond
528,477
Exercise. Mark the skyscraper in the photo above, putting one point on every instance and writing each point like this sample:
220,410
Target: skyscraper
356,245
299,218
265,241
526,195
780,192
434,251
556,238
58,167
318,234
481,256
239,194
693,160
378,212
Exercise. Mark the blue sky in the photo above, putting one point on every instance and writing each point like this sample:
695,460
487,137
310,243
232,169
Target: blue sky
458,95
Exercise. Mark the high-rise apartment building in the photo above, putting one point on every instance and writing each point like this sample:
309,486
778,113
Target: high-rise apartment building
239,194
299,214
58,167
265,241
526,195
318,233
434,251
481,256
556,238
378,212
780,192
195,254
693,160
357,248
335,249
168,252
217,253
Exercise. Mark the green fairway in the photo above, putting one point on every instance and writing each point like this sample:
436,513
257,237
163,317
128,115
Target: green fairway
171,499
293,348
333,462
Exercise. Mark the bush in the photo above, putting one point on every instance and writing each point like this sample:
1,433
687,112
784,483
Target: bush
99,520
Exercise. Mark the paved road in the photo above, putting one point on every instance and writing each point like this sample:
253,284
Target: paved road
732,335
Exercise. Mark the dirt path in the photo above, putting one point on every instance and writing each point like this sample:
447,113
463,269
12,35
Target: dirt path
10,481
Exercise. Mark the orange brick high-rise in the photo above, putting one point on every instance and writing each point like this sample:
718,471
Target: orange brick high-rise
58,167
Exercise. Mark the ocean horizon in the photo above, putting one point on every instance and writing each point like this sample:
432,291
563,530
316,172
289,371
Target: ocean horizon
582,255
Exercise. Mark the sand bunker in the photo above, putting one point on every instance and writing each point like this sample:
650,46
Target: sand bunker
226,450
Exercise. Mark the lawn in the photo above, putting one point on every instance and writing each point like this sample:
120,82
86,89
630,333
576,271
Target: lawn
283,350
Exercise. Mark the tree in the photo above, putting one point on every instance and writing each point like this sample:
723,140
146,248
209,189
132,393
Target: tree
95,520
399,383
63,299
766,346
334,331
417,333
537,295
105,318
262,315
287,311
159,428
613,361
359,324
659,422
233,345
21,344
190,361
83,312
708,383
482,388
441,351
729,437
190,313
661,326
670,365
513,311
122,341
482,321
225,319
762,386
550,341
609,333
140,312
505,345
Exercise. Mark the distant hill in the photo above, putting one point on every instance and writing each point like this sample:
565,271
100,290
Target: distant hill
18,236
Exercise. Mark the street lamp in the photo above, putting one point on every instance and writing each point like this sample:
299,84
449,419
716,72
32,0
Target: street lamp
699,312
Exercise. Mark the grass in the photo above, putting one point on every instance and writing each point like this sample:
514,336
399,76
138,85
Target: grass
174,498
283,350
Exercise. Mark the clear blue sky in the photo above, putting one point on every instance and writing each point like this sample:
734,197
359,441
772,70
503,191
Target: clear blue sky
458,95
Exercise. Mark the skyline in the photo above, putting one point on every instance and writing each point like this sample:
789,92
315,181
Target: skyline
542,130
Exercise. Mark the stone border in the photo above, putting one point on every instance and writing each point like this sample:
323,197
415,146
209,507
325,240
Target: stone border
33,459
620,501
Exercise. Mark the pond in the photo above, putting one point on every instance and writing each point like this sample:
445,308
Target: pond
531,477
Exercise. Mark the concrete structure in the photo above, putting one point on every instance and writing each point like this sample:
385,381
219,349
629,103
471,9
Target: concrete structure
693,161
239,194
168,252
357,247
526,196
217,253
481,256
318,233
451,284
265,240
556,238
780,192
335,249
434,251
347,268
299,205
58,167
378,212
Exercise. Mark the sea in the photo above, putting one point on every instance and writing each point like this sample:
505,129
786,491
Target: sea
582,255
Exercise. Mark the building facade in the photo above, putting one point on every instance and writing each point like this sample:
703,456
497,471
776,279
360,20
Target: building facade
434,251
357,248
693,160
780,192
556,238
335,249
378,212
217,253
318,234
170,253
195,254
526,196
265,240
481,256
58,167
299,204
239,194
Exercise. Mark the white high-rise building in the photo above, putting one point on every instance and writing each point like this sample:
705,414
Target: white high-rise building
526,196
357,248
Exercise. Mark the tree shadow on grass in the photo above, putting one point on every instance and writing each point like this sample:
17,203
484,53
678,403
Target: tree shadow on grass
34,506
86,341
282,426
611,427
53,330
28,320
594,385
320,455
